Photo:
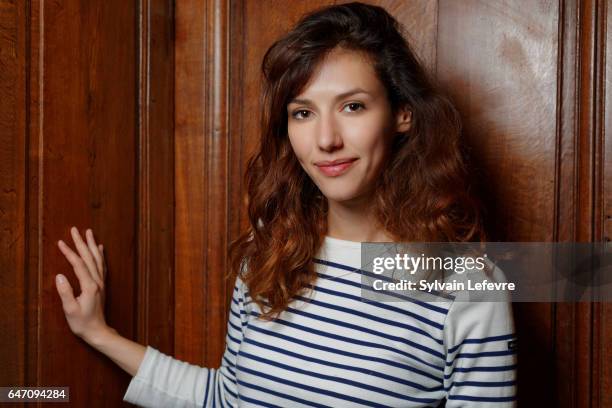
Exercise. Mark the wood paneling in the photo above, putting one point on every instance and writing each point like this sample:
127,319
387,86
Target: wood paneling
602,332
192,33
86,135
136,119
155,177
564,314
215,180
32,138
13,173
498,60
533,76
86,178
578,338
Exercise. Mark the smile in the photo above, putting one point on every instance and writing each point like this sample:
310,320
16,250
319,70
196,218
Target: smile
334,170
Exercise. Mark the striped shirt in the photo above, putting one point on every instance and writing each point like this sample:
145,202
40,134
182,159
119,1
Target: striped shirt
330,348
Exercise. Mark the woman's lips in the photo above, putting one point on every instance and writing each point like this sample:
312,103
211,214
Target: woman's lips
334,170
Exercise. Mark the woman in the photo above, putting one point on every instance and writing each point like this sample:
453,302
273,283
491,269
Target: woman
357,146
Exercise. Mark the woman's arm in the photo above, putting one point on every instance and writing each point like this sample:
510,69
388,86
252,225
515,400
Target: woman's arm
162,381
126,353
480,355
85,313
158,380
480,351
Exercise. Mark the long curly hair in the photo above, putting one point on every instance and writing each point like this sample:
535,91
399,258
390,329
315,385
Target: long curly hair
423,194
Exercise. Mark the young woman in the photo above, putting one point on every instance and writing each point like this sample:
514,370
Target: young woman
356,146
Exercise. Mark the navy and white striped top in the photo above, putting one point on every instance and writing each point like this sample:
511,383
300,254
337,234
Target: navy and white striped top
332,349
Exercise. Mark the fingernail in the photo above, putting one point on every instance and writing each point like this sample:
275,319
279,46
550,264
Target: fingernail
60,278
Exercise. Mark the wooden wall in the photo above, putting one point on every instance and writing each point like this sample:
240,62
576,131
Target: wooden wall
86,139
136,119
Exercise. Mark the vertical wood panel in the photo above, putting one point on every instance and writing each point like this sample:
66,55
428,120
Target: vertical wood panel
190,102
577,334
13,162
155,274
70,114
567,181
236,125
216,181
605,323
607,122
33,108
203,171
498,60
596,214
602,321
86,147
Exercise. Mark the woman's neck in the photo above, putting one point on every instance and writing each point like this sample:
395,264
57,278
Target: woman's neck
354,222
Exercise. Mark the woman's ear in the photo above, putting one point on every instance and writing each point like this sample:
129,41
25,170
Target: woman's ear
403,120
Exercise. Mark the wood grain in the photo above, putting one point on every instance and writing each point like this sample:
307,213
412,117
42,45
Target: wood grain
155,177
88,179
564,314
136,119
604,385
13,193
190,169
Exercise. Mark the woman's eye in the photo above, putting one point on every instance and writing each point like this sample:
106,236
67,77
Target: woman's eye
301,114
353,107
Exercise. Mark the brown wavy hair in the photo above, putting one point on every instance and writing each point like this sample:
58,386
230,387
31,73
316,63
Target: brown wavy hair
423,194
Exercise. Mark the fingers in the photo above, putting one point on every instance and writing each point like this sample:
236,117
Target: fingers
93,248
64,289
86,255
101,249
80,268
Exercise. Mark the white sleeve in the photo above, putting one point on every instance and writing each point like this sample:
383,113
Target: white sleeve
162,381
481,358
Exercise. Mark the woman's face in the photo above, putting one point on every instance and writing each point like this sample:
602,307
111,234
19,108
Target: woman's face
341,126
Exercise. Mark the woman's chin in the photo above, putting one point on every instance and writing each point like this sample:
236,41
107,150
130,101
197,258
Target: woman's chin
345,198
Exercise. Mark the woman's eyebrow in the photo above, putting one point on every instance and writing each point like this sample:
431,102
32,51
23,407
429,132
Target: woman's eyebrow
338,97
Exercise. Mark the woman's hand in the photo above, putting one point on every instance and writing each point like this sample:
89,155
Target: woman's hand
85,313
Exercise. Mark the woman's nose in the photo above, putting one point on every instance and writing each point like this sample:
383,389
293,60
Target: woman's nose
329,137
